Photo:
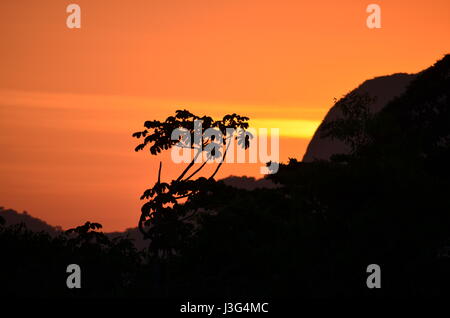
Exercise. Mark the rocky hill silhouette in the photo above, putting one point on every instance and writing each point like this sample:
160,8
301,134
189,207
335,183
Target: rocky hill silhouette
384,89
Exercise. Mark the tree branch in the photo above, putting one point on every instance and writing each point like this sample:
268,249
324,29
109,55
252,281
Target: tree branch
189,166
223,159
200,168
159,172
141,227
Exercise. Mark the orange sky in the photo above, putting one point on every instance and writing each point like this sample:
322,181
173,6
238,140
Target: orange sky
70,98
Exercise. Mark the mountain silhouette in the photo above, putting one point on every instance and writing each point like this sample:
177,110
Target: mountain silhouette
248,183
13,217
34,224
384,89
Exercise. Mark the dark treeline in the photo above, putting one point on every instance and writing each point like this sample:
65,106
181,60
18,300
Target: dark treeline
313,235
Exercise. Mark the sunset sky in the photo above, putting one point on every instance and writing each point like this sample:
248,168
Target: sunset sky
71,98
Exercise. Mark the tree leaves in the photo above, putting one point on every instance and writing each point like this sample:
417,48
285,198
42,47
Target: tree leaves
353,128
244,138
158,134
164,216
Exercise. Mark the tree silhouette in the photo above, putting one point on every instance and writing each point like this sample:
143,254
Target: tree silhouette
165,217
353,128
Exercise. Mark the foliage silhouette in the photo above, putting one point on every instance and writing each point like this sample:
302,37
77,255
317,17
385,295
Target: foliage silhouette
36,262
165,218
354,126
